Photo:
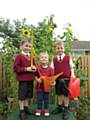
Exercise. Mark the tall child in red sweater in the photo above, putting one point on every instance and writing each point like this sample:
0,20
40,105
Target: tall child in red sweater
62,63
24,74
43,97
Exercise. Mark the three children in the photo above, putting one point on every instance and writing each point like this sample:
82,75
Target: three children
25,76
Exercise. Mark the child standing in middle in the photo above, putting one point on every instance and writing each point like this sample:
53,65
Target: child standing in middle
43,97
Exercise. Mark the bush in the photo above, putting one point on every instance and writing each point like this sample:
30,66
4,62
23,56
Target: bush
83,111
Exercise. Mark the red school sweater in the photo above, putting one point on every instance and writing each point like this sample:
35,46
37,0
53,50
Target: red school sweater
43,72
62,66
20,63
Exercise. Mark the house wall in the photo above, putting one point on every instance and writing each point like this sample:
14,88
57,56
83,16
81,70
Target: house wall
80,52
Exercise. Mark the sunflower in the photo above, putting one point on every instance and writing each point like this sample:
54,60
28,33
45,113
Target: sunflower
9,49
69,29
26,32
50,30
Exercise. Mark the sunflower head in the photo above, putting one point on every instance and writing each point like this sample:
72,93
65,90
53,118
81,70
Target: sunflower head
26,32
50,30
9,49
69,29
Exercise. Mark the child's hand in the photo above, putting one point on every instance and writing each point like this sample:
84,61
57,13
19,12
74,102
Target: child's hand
33,67
73,76
52,84
76,98
38,80
30,69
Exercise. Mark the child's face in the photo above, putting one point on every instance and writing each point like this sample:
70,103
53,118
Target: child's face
26,47
44,58
60,49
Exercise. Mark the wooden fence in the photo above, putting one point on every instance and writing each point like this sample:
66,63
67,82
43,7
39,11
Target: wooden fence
2,76
83,64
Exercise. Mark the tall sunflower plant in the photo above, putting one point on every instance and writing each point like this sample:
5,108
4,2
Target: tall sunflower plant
28,34
67,37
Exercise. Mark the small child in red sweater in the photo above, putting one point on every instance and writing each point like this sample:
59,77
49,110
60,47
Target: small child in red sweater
43,97
24,74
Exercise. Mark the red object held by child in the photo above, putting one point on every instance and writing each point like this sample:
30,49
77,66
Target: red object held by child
74,86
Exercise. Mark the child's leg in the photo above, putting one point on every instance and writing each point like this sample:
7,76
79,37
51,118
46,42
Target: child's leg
66,101
27,110
59,107
60,100
29,95
26,102
21,104
22,94
39,103
46,100
22,112
65,112
46,104
60,97
39,100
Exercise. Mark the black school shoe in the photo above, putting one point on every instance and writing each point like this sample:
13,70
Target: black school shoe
23,115
28,111
58,110
65,114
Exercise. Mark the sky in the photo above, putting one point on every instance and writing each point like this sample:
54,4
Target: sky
76,12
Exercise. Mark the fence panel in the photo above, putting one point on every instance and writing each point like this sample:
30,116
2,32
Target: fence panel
83,64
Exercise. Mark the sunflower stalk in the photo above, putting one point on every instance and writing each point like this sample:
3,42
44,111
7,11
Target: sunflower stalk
32,49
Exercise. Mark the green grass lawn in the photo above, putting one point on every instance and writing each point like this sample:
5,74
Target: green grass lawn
15,115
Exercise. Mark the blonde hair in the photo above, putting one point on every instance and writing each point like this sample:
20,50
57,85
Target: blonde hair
24,41
59,43
44,53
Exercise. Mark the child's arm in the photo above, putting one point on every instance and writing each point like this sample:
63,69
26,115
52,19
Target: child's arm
30,69
18,68
38,79
17,65
72,66
53,84
52,65
72,73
